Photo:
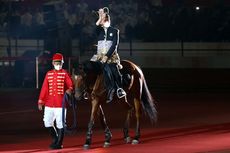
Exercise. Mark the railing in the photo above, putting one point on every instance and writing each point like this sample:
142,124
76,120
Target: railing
25,71
16,47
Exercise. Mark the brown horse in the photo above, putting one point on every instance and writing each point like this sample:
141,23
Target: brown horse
137,95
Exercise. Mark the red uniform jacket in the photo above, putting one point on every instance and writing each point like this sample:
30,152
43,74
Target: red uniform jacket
54,86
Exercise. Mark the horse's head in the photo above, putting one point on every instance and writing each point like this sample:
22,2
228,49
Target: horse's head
78,77
79,88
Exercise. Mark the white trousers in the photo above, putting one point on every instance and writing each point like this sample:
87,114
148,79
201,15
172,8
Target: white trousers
52,114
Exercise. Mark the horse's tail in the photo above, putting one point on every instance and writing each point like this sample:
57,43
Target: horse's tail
148,103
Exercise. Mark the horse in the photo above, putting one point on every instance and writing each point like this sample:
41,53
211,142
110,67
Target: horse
89,81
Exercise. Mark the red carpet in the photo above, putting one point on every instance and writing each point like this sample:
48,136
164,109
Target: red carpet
215,138
188,123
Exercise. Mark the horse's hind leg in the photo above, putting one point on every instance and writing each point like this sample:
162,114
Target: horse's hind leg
126,127
108,134
137,114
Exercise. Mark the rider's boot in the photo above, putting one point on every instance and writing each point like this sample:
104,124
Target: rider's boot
110,95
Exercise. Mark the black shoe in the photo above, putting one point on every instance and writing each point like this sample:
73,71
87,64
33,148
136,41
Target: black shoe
121,93
110,96
61,133
53,134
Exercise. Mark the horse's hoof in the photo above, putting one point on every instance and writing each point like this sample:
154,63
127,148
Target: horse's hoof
86,146
106,145
135,142
127,140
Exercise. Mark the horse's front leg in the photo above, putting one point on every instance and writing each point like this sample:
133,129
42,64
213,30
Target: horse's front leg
108,134
94,109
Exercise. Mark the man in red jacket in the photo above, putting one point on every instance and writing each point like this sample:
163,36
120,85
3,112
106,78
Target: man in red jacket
56,83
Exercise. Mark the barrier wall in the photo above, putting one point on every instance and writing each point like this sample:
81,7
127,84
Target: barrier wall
19,46
151,55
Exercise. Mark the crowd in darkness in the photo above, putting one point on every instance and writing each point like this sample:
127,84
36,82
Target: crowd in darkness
146,21
137,20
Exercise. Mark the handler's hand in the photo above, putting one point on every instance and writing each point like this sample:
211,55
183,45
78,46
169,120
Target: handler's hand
69,91
40,107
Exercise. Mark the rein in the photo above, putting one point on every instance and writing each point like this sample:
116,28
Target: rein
81,92
70,99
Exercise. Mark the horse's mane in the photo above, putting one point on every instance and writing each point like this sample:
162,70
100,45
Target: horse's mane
89,72
90,67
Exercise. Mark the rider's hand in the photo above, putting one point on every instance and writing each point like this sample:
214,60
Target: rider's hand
100,12
104,59
40,107
101,17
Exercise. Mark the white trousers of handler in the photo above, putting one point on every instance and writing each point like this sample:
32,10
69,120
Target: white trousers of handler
52,114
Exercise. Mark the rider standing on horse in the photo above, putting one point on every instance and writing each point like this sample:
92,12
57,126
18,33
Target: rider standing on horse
57,82
107,46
